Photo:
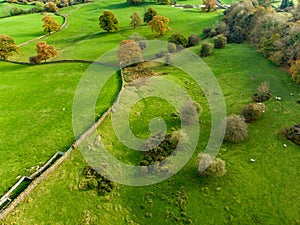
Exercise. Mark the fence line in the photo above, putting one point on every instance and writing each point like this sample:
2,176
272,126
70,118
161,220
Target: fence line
40,175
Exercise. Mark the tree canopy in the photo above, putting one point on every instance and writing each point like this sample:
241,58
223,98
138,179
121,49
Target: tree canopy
50,25
136,20
159,24
109,22
45,51
148,16
7,46
129,52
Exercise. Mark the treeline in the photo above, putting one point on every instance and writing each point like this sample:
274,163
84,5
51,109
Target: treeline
40,6
275,34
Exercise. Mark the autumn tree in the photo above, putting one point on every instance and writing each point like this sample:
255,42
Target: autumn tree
51,7
109,22
7,46
295,70
45,51
50,25
148,16
129,52
209,5
136,20
159,24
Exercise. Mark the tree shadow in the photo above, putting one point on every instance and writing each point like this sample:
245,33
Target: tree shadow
125,5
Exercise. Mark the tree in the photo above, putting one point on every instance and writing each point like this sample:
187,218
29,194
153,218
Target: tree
129,52
159,24
50,24
136,20
148,16
7,46
253,111
209,5
295,70
109,22
51,7
45,51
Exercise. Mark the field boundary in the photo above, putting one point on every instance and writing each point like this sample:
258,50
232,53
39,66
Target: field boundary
40,175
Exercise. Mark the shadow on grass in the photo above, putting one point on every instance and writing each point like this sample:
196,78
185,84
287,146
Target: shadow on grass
125,5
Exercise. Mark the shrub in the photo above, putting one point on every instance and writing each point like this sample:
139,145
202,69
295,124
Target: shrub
135,2
236,129
193,40
263,93
209,167
292,134
189,112
172,47
212,33
179,40
253,112
206,31
32,59
206,49
220,41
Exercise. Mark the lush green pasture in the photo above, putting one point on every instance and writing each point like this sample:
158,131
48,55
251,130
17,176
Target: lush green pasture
264,192
34,124
24,27
83,39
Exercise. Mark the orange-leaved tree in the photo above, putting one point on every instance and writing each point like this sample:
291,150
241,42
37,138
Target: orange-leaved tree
45,51
209,5
159,24
7,46
50,24
129,52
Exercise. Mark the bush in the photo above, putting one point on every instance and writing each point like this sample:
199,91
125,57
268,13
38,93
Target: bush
292,134
193,40
135,2
209,167
172,47
189,113
220,41
236,129
179,40
206,49
148,16
263,93
32,59
206,31
212,33
253,112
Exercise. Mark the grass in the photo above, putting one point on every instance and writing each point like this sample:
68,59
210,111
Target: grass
24,27
6,7
34,127
250,193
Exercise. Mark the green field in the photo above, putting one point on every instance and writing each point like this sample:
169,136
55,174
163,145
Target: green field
6,7
24,27
34,126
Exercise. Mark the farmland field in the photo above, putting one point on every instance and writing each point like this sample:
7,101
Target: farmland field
36,121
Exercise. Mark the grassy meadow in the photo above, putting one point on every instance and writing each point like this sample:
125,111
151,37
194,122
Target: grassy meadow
34,126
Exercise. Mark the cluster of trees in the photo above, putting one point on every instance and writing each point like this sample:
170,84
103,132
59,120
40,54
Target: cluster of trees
275,34
158,24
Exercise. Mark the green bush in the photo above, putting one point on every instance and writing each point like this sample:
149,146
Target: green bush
206,49
193,40
220,41
253,112
189,113
209,167
172,47
179,40
236,129
292,134
206,31
148,16
135,2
